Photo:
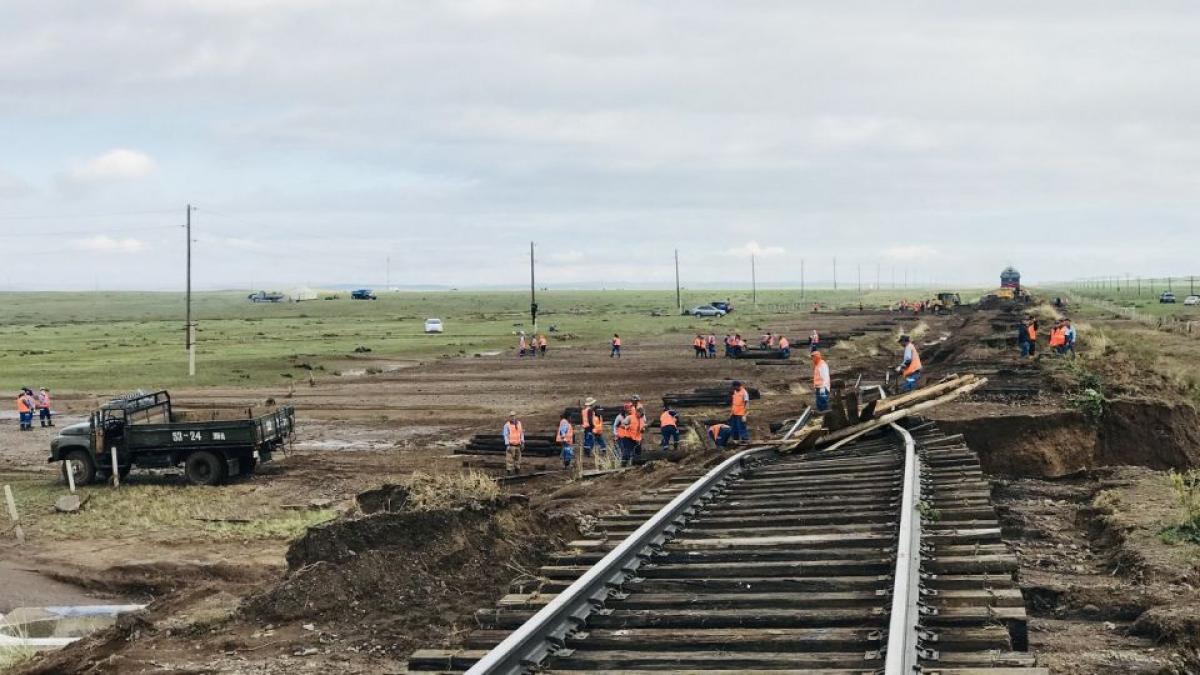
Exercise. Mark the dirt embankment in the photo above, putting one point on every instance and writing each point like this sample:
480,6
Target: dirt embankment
360,593
1061,442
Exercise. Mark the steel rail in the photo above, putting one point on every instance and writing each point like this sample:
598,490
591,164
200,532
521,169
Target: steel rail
525,648
902,639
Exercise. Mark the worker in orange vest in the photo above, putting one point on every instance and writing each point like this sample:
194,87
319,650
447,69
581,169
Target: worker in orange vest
1058,337
814,341
668,423
514,443
522,344
698,347
712,346
593,427
785,347
820,381
627,427
43,408
565,437
25,410
541,343
616,347
720,433
1033,328
910,367
738,405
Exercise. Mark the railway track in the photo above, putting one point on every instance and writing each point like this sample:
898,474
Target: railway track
883,556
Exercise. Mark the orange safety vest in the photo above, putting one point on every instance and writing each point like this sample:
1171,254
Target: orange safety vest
597,423
666,419
715,430
739,403
1058,337
915,364
43,401
569,436
636,425
515,433
783,343
821,375
23,404
1032,333
698,342
616,342
542,341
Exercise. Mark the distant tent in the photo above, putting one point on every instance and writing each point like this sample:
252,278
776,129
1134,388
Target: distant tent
302,294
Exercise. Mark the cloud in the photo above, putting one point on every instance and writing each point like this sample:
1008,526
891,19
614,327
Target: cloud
566,256
752,248
914,252
113,166
105,244
12,186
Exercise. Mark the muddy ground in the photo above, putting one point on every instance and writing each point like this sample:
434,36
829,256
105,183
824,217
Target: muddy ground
1082,498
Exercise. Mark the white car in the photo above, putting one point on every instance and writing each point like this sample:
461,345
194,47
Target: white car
434,326
706,310
1192,300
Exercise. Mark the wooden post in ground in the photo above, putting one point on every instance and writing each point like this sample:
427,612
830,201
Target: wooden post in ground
116,472
13,515
70,471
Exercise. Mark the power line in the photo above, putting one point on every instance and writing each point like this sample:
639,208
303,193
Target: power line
120,214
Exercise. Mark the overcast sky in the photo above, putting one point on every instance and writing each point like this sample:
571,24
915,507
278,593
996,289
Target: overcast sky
318,138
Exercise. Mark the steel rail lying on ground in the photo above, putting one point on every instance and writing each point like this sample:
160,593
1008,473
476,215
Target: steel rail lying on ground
547,630
902,647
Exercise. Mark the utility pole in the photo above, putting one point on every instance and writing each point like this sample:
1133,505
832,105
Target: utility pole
835,273
190,328
1191,285
532,291
906,277
753,282
678,296
860,279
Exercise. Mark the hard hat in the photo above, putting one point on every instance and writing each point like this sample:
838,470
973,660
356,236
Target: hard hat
635,397
512,413
589,401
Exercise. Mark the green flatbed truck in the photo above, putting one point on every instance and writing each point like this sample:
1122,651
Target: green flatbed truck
148,433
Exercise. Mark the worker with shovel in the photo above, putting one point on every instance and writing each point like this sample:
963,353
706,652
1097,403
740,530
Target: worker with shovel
593,427
910,367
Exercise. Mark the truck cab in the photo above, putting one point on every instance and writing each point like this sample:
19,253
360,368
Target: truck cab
144,430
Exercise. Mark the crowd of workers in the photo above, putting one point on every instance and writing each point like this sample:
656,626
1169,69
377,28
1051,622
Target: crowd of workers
1062,337
531,346
628,429
29,403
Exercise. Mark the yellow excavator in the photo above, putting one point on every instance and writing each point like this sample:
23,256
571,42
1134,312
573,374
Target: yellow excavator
945,303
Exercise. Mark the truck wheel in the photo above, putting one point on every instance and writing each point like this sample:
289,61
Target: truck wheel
204,468
80,463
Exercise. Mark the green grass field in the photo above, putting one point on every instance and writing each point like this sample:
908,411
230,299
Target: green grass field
105,342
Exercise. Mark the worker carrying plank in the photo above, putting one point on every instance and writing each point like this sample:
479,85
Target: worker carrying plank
910,367
738,404
820,381
514,443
